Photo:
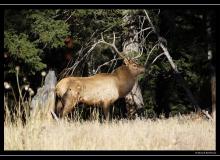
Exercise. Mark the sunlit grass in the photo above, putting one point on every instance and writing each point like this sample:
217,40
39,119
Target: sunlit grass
176,133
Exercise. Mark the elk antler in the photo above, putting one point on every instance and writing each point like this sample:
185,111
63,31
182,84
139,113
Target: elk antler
139,54
112,45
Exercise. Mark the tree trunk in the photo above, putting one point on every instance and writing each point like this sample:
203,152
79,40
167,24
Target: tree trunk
134,100
213,91
43,103
210,59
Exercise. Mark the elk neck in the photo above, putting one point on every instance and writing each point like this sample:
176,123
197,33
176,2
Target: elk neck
125,80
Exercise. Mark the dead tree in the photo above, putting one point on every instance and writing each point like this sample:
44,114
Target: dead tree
180,79
134,99
211,61
43,102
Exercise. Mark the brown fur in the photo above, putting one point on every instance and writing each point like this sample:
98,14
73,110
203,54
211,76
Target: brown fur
101,89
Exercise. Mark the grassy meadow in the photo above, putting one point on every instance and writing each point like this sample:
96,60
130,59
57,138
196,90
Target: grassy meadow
175,133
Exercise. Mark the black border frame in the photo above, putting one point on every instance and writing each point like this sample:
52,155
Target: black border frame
112,152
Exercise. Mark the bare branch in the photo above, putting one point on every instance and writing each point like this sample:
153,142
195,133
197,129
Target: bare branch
158,12
142,24
128,43
102,37
55,116
106,63
157,57
113,66
161,44
149,20
150,53
206,113
141,31
139,55
69,17
71,69
113,43
169,57
140,34
147,35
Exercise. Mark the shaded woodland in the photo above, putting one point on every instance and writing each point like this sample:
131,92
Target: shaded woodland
64,40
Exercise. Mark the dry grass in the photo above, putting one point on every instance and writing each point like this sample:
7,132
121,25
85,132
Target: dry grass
177,133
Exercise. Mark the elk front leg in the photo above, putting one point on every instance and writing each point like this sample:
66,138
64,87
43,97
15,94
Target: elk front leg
106,110
106,113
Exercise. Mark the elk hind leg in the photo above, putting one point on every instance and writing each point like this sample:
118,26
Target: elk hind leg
67,109
59,107
69,102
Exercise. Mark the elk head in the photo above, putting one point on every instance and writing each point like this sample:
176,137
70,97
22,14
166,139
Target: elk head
134,67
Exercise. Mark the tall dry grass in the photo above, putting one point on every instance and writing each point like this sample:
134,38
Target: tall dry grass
176,133
39,133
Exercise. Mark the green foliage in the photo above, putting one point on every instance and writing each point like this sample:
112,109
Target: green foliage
48,30
27,34
23,51
86,22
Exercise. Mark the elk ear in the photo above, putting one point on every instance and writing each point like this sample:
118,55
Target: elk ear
126,61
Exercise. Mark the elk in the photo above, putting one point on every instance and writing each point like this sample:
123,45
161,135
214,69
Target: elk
101,89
